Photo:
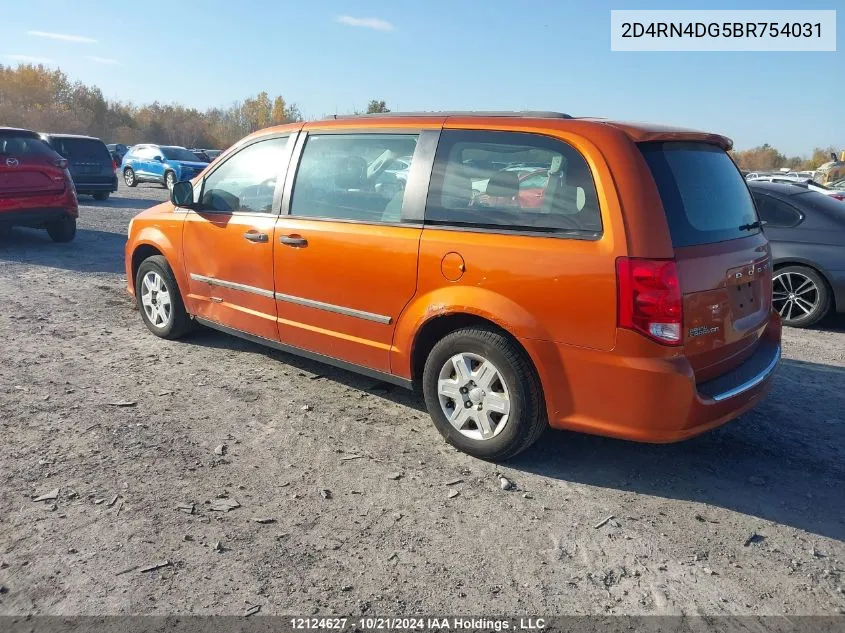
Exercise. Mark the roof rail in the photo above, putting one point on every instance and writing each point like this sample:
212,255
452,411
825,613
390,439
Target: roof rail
537,114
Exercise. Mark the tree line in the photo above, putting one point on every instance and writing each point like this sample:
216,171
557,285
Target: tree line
767,158
44,99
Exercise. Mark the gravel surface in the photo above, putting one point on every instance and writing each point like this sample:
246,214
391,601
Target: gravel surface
209,475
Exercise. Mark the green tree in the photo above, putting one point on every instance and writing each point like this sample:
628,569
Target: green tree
375,106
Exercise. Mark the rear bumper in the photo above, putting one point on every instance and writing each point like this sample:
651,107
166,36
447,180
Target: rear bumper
35,218
631,396
96,187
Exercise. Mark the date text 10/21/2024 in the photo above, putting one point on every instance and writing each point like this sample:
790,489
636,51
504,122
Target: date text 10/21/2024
419,624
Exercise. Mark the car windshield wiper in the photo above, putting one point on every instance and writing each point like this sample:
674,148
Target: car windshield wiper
754,225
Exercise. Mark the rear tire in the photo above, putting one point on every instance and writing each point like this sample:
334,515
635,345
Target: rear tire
63,230
169,180
498,377
129,177
801,296
159,300
101,195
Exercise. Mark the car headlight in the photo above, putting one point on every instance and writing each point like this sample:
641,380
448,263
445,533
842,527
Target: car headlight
129,232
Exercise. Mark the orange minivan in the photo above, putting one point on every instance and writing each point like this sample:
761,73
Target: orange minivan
523,270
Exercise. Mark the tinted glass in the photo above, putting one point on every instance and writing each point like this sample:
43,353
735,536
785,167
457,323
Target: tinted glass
342,176
704,196
775,212
476,183
23,145
178,153
815,201
82,150
246,182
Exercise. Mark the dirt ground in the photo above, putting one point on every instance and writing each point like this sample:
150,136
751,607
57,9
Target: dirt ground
345,492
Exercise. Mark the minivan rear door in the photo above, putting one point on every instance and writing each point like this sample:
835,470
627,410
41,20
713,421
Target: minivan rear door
88,159
723,258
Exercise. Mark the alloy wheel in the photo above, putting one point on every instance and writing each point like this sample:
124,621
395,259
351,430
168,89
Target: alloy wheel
155,300
473,396
794,295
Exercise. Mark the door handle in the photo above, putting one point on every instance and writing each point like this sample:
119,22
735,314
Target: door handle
252,236
293,240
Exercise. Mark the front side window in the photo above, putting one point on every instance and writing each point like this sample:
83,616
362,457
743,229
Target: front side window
357,177
246,182
512,181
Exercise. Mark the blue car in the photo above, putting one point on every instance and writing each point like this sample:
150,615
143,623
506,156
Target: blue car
164,164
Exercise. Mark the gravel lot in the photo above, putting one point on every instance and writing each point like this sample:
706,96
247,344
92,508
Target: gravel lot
745,520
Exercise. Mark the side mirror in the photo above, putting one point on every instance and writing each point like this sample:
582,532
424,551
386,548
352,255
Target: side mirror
159,159
182,194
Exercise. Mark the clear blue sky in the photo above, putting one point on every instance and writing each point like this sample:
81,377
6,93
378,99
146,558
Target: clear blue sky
438,54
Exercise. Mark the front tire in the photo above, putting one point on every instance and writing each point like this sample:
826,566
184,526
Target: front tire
129,177
483,394
63,230
101,195
800,295
159,300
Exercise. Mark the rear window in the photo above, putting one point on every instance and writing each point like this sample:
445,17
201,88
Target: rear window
23,145
821,202
82,150
704,196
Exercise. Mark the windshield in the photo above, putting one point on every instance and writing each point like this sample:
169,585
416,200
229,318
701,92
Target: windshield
82,149
178,153
704,196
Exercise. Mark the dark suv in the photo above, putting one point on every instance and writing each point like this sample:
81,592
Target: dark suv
89,162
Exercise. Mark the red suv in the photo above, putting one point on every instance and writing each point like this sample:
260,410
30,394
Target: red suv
36,189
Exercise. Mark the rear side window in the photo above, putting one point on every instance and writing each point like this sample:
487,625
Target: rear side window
358,177
776,213
512,181
704,196
82,150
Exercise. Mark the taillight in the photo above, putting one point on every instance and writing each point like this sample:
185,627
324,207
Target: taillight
649,295
838,196
114,166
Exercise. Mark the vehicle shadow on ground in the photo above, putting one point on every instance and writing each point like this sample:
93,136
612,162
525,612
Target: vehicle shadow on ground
90,251
769,463
207,337
118,203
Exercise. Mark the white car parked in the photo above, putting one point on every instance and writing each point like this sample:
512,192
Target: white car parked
804,182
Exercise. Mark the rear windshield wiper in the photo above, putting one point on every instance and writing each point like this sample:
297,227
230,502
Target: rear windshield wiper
754,225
